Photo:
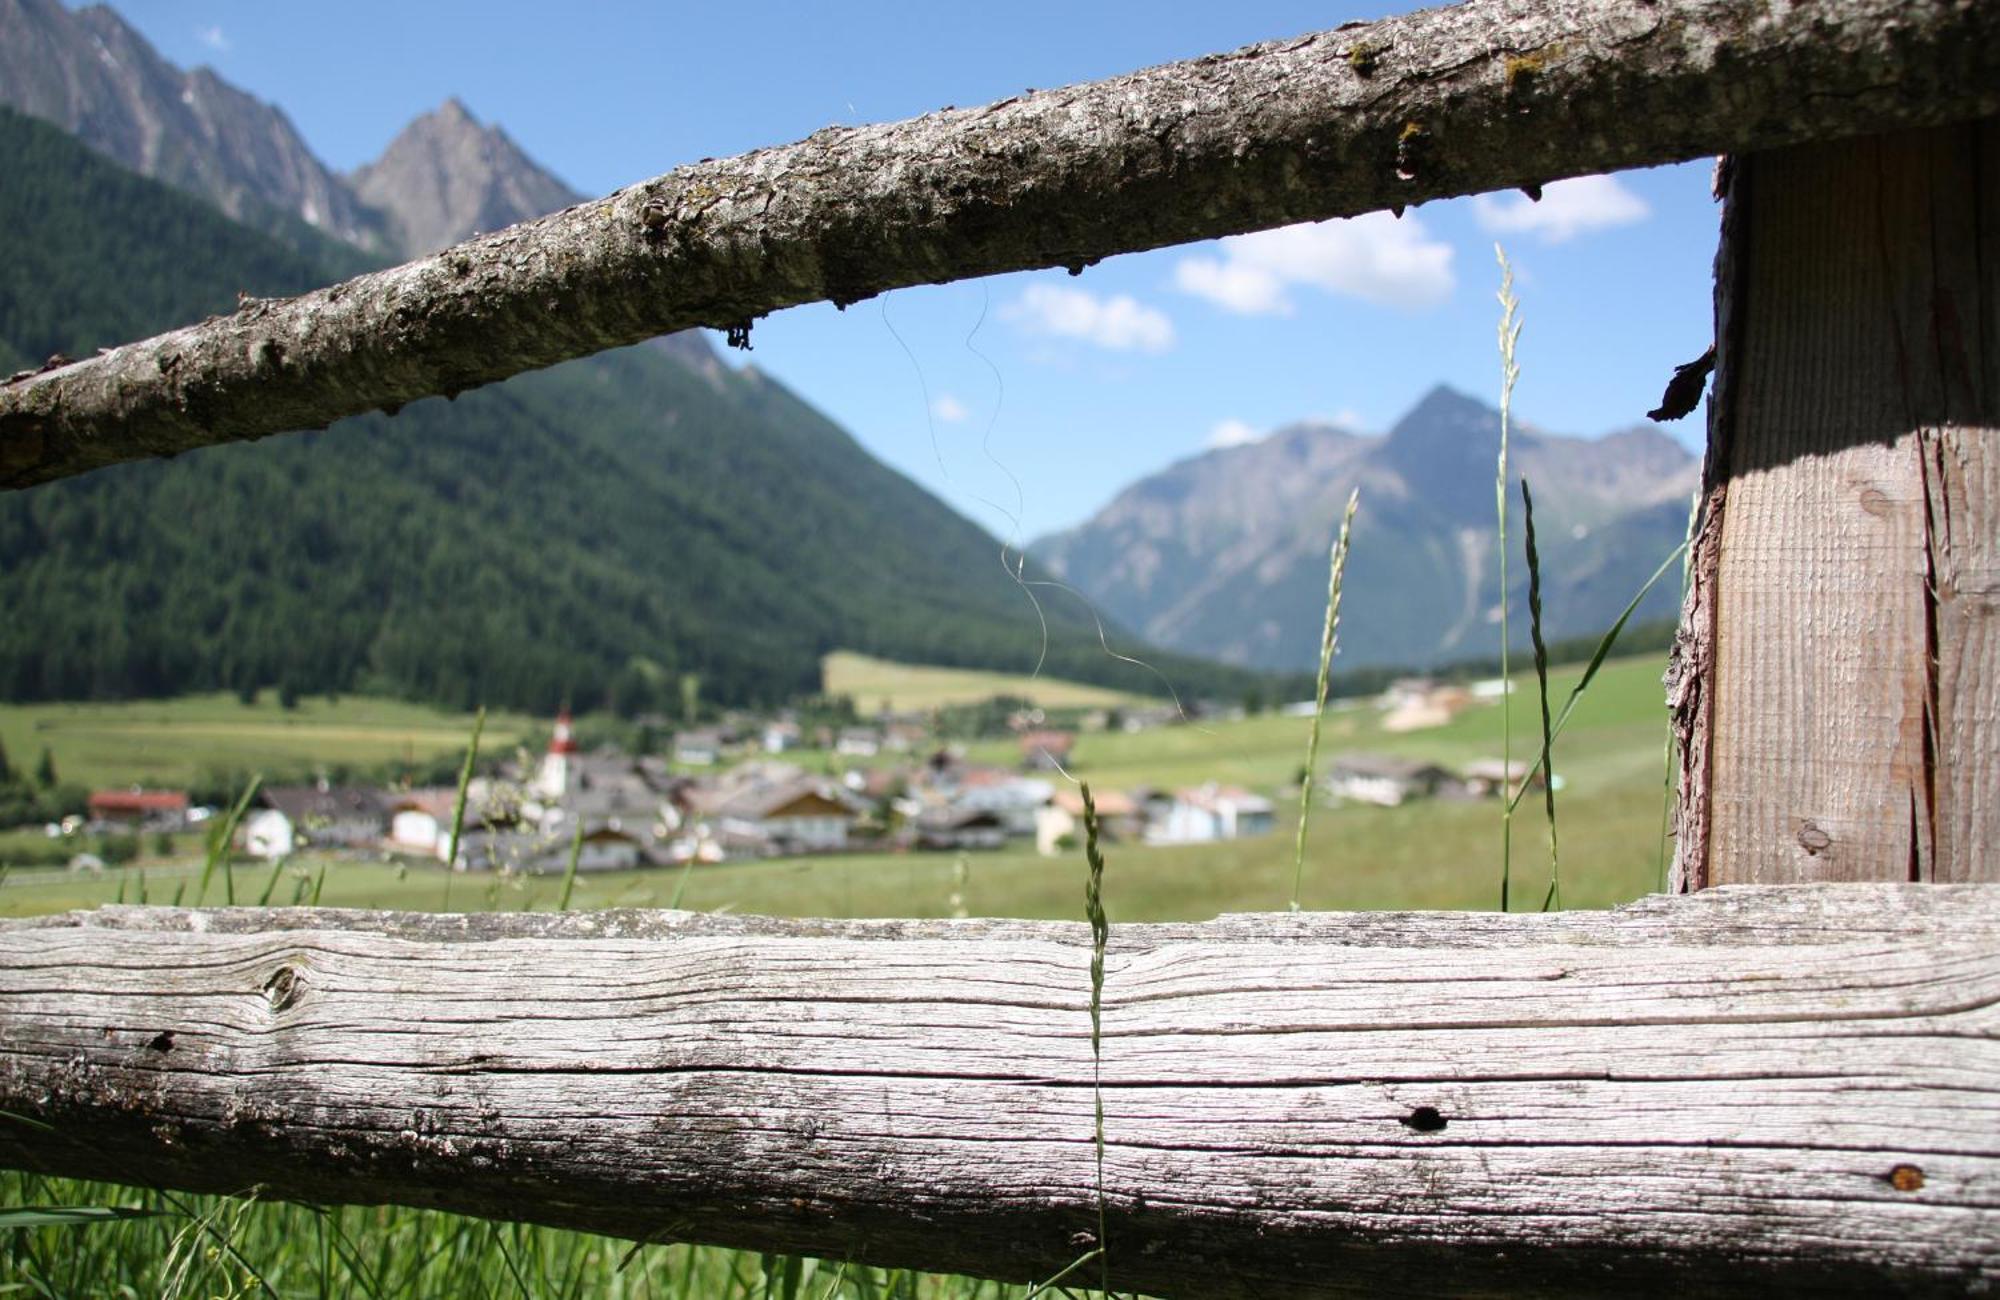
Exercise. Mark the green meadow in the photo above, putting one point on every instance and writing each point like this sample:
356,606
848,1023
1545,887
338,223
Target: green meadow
1427,854
184,741
875,684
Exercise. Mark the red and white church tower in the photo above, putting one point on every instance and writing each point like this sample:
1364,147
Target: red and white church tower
552,778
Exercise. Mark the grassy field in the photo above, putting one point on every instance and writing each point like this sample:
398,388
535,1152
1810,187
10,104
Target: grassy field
181,741
876,684
1429,855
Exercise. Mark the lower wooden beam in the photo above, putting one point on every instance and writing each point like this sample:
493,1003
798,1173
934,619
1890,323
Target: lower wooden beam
1793,1089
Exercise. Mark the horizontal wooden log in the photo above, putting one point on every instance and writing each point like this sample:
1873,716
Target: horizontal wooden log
1482,96
1772,1088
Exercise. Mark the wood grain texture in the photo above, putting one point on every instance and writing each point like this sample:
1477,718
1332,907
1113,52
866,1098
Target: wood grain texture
1744,1089
1852,730
1486,95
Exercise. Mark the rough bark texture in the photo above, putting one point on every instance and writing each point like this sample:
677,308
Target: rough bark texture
1691,663
1484,96
1789,1089
1847,591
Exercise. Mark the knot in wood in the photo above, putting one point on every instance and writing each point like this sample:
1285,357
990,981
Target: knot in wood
283,988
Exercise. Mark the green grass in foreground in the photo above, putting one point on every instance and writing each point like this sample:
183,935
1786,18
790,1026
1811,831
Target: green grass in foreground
1423,855
876,683
181,741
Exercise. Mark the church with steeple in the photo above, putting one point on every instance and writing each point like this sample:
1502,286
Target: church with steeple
558,771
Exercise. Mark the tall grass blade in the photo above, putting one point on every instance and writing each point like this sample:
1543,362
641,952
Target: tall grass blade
1043,1288
271,883
1100,935
681,885
569,872
1329,638
220,841
1510,335
1553,899
458,803
1605,644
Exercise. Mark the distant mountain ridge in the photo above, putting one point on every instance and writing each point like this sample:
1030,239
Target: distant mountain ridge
1225,554
91,73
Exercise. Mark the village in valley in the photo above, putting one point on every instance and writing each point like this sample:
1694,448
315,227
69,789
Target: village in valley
751,787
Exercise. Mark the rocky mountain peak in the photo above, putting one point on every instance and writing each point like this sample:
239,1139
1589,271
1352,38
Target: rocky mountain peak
1224,554
90,73
1444,448
448,176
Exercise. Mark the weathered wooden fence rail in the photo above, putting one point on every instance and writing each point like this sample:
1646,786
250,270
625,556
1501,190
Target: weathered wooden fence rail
1480,96
1750,1087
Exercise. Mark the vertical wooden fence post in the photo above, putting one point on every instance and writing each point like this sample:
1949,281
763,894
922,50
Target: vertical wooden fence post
1838,673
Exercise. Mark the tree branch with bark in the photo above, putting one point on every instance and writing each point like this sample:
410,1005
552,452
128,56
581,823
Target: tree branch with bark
1486,95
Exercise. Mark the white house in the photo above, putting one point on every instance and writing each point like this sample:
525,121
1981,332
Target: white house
603,849
1059,822
323,816
330,815
858,742
418,819
1213,812
698,748
267,833
1015,800
1385,780
797,813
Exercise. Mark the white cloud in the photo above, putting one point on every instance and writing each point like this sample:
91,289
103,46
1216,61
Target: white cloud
1120,323
949,409
1230,433
1349,418
213,38
1241,287
1568,208
1377,258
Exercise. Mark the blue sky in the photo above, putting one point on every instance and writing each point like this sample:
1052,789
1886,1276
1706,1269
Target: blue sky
1026,400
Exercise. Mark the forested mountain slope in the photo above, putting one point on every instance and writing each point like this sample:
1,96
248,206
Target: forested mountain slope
593,531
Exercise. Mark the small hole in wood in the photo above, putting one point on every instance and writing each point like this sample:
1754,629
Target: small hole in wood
162,1041
1425,1119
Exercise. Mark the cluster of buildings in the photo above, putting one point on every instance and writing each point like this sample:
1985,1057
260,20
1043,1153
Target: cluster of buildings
730,794
615,811
1390,780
